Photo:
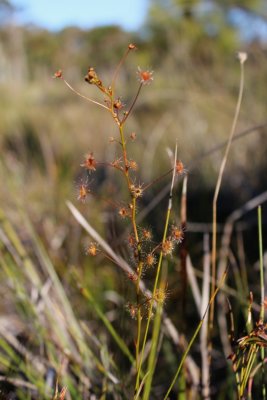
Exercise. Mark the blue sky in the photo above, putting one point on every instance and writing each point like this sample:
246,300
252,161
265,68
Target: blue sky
55,14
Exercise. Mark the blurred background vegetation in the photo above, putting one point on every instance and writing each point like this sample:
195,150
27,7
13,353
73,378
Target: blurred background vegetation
45,130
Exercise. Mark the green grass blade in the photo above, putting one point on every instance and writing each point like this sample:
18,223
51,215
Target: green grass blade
122,345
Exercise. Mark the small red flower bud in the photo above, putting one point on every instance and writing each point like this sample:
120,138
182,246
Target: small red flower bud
145,77
132,46
118,105
92,78
58,74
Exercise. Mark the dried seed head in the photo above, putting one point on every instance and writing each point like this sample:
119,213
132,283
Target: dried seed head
144,77
242,56
89,162
167,247
92,249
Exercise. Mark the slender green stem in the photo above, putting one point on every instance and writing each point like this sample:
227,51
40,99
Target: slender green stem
84,97
124,348
153,351
124,155
140,265
248,367
136,397
194,336
133,104
252,375
150,311
158,179
157,275
134,223
138,336
118,68
217,190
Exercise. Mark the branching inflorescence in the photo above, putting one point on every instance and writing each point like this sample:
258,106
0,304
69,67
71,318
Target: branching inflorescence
146,254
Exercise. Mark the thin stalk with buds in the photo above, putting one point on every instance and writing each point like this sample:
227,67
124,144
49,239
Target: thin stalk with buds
242,58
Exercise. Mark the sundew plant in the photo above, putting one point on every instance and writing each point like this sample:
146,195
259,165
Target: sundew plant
146,308
146,343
